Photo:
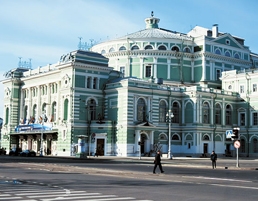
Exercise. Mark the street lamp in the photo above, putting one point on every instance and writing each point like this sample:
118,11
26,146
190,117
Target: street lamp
169,117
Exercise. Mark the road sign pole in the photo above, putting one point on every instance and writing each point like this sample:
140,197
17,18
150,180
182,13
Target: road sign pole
237,160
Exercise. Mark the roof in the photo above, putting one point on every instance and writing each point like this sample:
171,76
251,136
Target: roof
156,33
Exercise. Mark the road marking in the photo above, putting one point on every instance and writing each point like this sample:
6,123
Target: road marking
231,186
219,179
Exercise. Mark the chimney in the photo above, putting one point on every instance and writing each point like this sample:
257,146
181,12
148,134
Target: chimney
215,31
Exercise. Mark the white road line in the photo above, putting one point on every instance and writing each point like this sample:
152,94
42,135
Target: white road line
6,198
63,196
219,179
48,192
72,198
231,186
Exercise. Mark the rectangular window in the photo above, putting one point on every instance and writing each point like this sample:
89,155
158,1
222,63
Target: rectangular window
218,74
242,119
254,87
242,89
255,118
122,70
148,71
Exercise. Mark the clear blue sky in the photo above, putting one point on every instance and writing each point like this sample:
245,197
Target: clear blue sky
43,30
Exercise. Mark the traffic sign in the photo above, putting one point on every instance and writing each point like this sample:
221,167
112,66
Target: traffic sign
236,144
229,133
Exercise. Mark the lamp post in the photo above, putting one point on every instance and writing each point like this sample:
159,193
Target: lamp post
169,117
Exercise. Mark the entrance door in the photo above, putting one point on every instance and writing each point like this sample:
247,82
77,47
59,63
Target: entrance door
205,149
100,147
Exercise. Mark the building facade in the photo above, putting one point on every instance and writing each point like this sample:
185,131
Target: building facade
115,99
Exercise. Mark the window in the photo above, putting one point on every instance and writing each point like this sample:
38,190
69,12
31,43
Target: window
218,114
91,104
206,138
206,113
95,82
242,89
135,47
175,48
255,118
254,87
44,108
175,137
217,51
162,111
175,111
122,48
148,71
148,47
66,106
228,115
227,42
103,52
111,50
218,74
53,112
227,54
7,116
230,87
122,70
242,119
187,49
236,56
141,110
88,82
162,47
34,111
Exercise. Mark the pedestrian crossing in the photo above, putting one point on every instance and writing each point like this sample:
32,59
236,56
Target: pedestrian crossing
30,192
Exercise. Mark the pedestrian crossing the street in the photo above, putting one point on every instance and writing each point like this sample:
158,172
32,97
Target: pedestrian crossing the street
29,192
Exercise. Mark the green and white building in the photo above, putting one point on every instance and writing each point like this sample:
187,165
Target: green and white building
115,98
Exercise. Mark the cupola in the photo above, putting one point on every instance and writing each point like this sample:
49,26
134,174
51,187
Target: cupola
152,22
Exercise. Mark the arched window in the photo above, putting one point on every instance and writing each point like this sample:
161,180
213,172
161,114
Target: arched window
228,115
236,55
218,114
187,49
34,112
175,48
135,47
206,138
217,51
7,116
44,108
141,110
162,47
175,137
206,113
227,54
189,110
148,47
175,111
103,52
53,112
66,109
162,111
122,48
111,50
91,104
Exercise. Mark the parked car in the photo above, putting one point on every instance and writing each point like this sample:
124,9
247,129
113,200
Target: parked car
28,152
15,151
2,151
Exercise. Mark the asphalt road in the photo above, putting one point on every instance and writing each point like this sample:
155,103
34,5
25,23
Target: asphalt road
112,178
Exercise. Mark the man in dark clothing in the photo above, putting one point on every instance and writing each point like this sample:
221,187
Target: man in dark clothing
213,159
157,162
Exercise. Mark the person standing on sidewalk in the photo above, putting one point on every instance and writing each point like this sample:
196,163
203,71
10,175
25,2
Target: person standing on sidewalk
213,159
157,162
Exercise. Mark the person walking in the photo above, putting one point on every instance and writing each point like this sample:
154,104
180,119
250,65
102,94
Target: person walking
213,159
157,162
